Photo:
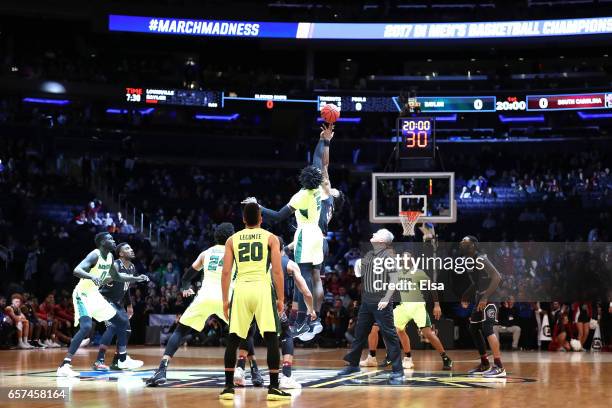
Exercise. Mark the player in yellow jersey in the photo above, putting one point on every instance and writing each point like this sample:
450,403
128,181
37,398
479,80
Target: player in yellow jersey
96,269
308,238
208,301
252,250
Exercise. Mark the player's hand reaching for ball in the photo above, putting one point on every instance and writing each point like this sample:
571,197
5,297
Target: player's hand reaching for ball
188,292
327,131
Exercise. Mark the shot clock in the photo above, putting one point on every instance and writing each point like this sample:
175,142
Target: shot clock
417,137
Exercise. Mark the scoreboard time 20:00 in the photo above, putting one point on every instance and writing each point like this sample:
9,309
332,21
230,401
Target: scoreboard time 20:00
417,137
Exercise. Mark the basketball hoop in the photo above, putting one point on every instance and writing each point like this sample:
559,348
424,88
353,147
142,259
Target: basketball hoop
409,220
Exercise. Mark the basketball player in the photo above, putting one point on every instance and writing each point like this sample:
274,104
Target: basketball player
485,281
96,269
115,294
251,251
412,307
292,278
207,302
331,199
308,237
291,272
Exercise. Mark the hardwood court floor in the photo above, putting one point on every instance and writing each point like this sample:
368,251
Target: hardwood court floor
195,378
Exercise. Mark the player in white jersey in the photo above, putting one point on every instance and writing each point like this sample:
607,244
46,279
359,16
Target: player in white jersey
208,301
96,269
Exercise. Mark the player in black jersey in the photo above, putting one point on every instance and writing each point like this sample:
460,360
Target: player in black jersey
485,280
116,294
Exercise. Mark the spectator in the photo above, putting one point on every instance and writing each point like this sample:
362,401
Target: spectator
170,276
336,321
19,320
509,322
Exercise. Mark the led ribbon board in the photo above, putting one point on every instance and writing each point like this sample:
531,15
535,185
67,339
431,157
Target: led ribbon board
360,31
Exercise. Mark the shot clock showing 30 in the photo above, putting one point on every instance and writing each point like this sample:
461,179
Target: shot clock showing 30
417,137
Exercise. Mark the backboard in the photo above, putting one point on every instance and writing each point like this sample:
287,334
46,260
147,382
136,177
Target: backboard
433,193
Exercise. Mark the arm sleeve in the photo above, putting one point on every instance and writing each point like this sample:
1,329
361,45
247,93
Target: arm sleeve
187,277
277,216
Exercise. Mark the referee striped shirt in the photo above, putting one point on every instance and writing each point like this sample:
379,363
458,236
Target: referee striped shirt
371,293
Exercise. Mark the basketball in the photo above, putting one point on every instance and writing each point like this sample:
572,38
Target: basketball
330,113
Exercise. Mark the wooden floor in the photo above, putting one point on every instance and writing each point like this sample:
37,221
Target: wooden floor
534,379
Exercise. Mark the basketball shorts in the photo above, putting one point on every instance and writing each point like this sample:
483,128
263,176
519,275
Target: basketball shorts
119,309
321,266
407,311
253,300
91,303
200,309
308,240
489,314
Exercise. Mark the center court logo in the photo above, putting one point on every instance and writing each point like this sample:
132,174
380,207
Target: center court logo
310,378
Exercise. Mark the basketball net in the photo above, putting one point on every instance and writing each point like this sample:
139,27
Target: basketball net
409,220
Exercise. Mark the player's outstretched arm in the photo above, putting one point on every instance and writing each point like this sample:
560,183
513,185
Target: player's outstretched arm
300,283
276,216
321,154
226,275
277,272
82,269
125,277
192,272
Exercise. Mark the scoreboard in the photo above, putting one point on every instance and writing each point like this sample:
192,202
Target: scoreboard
374,103
184,97
569,102
457,103
417,137
360,103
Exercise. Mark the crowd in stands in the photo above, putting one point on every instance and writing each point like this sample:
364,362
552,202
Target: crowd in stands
186,204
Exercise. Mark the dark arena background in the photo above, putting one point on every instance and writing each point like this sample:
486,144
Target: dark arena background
132,132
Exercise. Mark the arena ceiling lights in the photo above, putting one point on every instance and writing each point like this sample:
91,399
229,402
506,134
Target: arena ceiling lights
360,31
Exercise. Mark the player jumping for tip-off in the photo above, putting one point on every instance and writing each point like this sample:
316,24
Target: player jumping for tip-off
308,237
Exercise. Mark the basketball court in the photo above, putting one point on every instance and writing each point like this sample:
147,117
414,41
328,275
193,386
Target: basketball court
196,377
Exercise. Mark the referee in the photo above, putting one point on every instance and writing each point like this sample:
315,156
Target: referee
376,306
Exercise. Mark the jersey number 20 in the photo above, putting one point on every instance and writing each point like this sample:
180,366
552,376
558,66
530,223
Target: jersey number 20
252,251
